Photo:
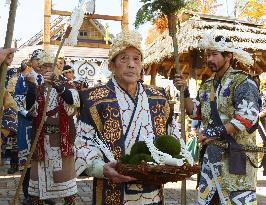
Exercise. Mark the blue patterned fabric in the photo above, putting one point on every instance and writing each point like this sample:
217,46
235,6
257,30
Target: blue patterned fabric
236,102
9,120
10,74
39,79
24,124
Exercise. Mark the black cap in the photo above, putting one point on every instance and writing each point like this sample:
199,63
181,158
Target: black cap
67,68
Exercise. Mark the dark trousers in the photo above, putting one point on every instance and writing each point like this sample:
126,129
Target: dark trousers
69,200
14,157
25,184
215,199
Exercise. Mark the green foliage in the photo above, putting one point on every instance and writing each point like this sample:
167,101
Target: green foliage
140,152
153,8
125,159
138,158
180,157
168,144
139,148
190,5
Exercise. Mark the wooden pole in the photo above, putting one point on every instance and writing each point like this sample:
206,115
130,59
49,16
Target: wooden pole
124,23
153,73
172,26
91,16
46,25
8,42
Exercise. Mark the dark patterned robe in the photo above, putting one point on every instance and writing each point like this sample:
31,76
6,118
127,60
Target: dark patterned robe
108,111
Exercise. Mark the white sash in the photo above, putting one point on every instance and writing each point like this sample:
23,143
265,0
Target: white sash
140,124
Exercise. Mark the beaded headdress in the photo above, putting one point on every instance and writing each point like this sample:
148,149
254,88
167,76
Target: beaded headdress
47,57
124,40
37,54
209,41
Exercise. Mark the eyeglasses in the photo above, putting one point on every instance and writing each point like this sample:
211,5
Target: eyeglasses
126,59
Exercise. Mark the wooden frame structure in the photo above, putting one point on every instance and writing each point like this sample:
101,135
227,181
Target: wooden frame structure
48,11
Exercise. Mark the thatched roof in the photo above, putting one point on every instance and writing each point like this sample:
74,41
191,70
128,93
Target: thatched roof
245,35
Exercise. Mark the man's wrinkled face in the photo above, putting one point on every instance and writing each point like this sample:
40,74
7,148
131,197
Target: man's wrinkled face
215,60
35,63
46,67
127,66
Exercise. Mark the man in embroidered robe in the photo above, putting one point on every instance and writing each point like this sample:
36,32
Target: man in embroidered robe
27,68
24,120
52,168
228,105
121,113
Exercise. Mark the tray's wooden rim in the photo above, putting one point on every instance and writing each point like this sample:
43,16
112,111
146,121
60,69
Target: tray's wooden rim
167,173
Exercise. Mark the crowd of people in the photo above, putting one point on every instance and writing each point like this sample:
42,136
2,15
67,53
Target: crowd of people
80,120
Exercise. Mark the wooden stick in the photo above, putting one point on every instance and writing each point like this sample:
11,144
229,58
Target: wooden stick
262,129
33,146
8,41
172,23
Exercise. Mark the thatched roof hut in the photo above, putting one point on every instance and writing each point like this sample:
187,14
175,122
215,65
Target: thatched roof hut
159,54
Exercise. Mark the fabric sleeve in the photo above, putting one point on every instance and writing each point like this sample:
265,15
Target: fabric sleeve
20,95
67,96
63,91
71,108
246,103
88,156
30,96
196,112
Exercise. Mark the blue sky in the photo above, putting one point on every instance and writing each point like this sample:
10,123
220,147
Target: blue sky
29,18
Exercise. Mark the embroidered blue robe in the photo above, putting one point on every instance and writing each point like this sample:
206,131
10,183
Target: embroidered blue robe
24,124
